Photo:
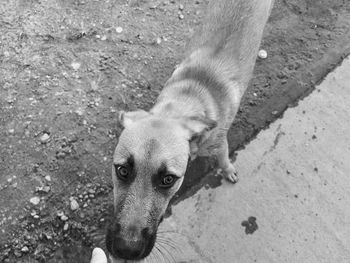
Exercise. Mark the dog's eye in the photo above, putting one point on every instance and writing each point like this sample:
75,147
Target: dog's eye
122,172
167,181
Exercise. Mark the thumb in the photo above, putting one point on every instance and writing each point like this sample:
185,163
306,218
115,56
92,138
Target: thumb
98,256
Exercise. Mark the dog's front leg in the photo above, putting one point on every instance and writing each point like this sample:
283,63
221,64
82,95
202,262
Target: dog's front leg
224,162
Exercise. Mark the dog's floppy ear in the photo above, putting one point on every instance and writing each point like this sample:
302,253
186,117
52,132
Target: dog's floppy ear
127,118
198,125
196,128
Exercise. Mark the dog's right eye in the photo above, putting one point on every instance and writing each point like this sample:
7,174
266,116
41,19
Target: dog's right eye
122,172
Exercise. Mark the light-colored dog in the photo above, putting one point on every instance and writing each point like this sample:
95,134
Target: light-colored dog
191,117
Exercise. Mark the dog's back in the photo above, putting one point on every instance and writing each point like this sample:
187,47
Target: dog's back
232,31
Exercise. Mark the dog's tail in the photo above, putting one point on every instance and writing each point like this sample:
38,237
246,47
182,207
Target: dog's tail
232,31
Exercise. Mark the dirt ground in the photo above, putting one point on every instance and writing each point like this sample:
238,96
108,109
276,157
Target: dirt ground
68,66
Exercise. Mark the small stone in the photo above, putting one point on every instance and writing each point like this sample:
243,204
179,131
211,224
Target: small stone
25,249
48,178
91,191
119,29
74,205
18,253
35,200
181,7
274,112
45,138
104,37
262,54
36,216
43,189
65,227
11,131
75,65
85,205
158,40
60,155
64,217
181,16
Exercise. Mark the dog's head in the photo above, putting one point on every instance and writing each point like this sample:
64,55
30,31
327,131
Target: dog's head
149,164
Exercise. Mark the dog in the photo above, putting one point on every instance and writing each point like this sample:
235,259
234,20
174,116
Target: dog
190,118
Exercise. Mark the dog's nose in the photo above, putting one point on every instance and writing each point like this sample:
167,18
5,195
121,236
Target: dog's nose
127,249
131,244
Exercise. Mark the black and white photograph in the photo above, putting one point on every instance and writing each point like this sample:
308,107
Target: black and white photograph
175,131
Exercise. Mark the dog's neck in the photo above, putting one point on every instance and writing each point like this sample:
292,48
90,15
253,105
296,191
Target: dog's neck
182,99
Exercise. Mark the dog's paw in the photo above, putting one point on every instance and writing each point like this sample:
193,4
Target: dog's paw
230,174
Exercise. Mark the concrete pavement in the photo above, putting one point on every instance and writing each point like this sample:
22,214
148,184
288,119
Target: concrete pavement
294,179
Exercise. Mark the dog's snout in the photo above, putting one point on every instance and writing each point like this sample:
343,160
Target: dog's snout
129,243
128,249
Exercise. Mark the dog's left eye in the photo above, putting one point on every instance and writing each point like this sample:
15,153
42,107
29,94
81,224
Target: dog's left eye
167,181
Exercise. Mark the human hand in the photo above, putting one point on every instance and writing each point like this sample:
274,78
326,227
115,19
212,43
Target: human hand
98,256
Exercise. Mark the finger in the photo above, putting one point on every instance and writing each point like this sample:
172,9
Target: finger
98,256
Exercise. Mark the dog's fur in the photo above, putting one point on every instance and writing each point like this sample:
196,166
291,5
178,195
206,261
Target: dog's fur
191,117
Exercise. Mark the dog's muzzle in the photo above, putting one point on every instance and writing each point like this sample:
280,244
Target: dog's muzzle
131,244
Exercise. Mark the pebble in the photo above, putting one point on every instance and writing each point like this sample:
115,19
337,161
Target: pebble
104,37
11,131
158,40
45,138
17,253
75,65
60,155
25,249
181,16
181,7
43,189
64,218
48,178
91,191
65,227
119,29
35,200
74,205
262,54
60,213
